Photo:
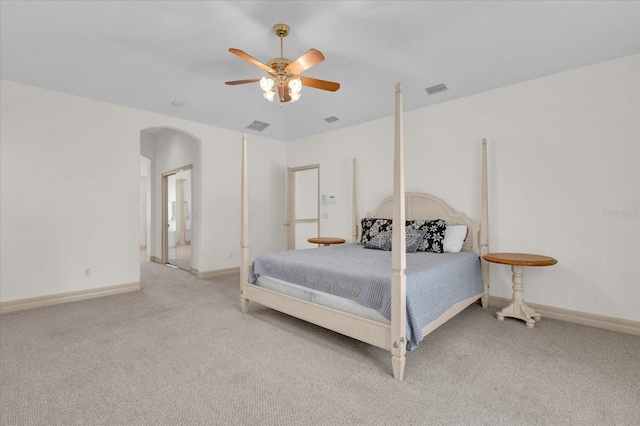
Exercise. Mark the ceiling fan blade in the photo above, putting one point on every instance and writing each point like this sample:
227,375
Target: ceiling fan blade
306,61
320,84
233,83
252,60
283,93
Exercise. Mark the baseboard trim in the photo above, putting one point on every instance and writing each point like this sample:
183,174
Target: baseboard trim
576,317
205,274
215,273
72,296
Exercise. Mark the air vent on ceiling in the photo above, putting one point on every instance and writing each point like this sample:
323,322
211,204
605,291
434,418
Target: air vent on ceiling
435,89
258,126
331,119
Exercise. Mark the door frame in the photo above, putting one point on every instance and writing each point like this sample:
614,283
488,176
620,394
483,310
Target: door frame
164,225
291,221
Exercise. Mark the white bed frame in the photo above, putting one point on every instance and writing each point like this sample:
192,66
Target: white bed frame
415,206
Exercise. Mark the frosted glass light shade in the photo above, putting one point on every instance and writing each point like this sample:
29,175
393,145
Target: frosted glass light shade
266,84
295,85
269,95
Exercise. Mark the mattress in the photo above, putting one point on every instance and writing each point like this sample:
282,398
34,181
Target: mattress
321,298
434,282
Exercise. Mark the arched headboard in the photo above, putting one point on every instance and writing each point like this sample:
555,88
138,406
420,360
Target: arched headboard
420,206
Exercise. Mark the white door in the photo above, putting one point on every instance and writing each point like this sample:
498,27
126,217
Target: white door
303,206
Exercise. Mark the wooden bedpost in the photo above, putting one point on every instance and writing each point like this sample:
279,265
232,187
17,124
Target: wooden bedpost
244,230
484,228
398,252
354,202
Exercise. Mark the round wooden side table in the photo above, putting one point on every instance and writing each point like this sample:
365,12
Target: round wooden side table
326,241
519,309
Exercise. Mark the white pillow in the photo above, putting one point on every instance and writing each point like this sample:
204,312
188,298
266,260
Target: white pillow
454,237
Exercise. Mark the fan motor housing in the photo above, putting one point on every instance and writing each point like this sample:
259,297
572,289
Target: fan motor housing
279,64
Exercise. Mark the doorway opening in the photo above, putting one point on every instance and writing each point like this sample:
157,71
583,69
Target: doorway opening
145,209
176,213
169,151
303,206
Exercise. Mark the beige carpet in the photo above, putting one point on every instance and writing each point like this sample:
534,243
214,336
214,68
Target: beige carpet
180,352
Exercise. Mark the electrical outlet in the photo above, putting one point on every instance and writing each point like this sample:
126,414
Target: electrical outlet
88,272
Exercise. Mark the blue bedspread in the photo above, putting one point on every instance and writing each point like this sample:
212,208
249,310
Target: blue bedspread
435,282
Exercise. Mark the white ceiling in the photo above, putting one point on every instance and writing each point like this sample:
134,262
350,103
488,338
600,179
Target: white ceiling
146,54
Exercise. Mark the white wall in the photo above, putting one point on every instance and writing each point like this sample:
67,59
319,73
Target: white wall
562,149
70,192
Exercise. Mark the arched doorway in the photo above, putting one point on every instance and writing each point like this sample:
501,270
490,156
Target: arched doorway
168,152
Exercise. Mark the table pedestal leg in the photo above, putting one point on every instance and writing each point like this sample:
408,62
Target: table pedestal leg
518,309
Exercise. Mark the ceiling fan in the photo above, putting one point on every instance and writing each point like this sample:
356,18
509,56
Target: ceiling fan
284,74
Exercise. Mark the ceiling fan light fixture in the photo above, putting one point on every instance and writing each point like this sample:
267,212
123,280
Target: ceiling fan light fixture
269,95
266,84
284,73
294,96
295,85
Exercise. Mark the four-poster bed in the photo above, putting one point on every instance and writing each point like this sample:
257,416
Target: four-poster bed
354,294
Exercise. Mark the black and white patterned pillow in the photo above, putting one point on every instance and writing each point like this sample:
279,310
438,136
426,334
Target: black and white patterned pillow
416,224
382,241
413,238
372,227
435,229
